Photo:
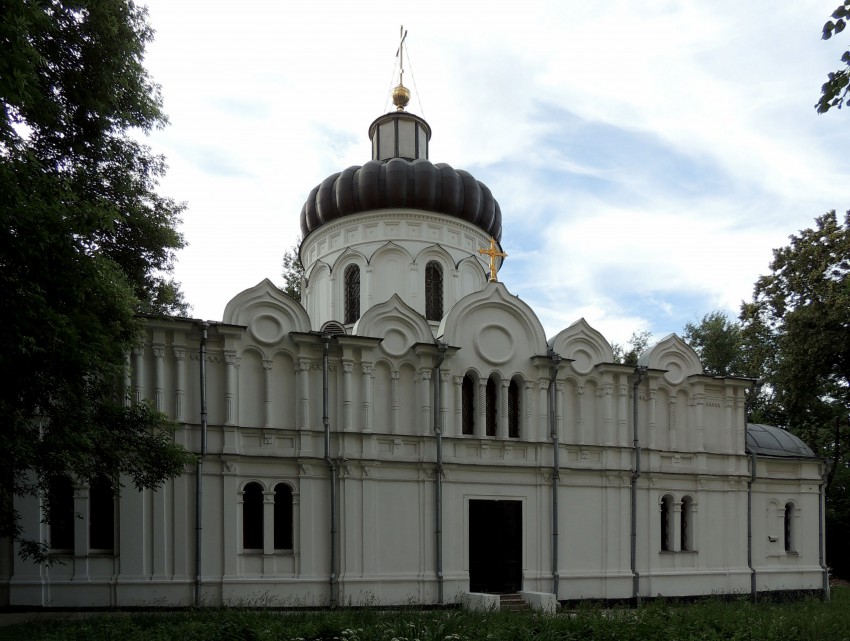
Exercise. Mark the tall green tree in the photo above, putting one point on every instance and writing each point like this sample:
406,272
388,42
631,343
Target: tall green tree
718,342
85,244
293,271
801,311
835,92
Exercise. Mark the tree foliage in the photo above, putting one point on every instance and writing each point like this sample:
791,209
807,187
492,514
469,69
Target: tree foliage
719,344
629,353
86,244
293,271
834,92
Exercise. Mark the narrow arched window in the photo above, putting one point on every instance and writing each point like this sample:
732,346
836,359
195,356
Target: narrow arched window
686,529
666,523
101,515
789,527
352,293
492,399
60,499
252,517
282,517
433,291
467,412
513,409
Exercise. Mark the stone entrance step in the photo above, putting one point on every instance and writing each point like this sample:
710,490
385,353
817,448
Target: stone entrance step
512,603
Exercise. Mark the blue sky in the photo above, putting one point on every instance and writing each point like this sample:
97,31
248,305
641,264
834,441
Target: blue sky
646,156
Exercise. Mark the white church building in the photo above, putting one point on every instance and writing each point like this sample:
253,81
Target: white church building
409,434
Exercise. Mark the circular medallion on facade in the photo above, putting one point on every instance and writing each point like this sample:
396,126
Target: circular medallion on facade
493,343
394,343
266,329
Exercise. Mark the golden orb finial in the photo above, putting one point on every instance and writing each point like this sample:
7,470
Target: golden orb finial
401,96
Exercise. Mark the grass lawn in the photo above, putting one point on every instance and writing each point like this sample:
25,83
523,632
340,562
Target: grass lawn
806,620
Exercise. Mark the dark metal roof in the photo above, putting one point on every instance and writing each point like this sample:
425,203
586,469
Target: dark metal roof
398,182
767,440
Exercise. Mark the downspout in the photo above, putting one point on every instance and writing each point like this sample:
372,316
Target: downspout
326,345
821,534
199,465
640,371
438,473
753,469
556,466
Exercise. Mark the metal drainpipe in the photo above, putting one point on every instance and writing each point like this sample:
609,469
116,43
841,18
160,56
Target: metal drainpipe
640,371
326,343
753,471
199,465
438,473
821,550
556,467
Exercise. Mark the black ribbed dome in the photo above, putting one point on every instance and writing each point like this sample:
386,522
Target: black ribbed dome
398,182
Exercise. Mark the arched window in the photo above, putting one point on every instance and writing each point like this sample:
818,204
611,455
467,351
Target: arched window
60,499
282,517
433,291
667,523
101,515
252,517
467,412
789,527
352,293
492,399
513,409
686,530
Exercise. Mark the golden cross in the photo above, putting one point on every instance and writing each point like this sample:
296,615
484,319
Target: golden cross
492,253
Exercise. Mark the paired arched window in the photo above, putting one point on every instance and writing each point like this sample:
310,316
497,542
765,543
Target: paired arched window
60,499
513,409
433,291
467,413
667,523
352,294
492,400
253,517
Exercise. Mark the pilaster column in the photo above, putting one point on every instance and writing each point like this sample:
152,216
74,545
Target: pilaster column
268,525
699,411
502,419
652,418
425,399
608,412
231,382
672,409
302,373
180,392
368,396
458,426
139,366
394,399
347,367
444,406
580,427
543,406
267,399
623,411
481,424
526,430
158,350
559,407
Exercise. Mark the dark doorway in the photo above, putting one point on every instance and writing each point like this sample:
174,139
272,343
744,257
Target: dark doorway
495,546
